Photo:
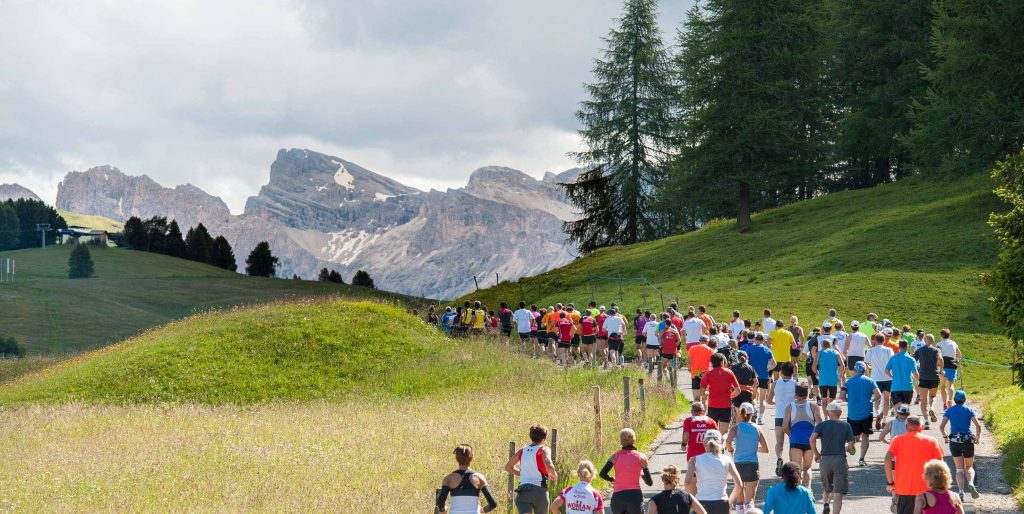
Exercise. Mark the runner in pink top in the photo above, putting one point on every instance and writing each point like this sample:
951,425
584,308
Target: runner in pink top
630,465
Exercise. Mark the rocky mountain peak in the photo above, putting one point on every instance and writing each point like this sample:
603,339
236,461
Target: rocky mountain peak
16,191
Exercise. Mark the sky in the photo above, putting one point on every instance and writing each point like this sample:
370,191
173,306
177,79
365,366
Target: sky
201,92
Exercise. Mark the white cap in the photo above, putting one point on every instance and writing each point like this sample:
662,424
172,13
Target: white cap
713,434
826,325
834,407
887,331
747,408
855,324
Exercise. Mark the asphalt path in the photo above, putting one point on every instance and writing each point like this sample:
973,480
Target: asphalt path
867,492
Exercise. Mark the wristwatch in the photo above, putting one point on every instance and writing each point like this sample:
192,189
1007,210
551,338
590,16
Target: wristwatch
890,483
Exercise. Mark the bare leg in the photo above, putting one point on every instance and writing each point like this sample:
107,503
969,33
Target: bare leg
780,441
837,503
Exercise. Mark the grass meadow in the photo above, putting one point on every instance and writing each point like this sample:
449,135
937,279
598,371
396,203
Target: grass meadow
373,433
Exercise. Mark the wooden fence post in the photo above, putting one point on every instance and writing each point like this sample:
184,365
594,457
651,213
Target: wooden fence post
674,377
625,401
643,397
597,418
554,446
511,477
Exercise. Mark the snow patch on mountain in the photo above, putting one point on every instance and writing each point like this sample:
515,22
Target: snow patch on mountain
343,178
345,246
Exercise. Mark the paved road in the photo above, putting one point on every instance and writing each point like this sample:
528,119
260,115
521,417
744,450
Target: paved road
867,485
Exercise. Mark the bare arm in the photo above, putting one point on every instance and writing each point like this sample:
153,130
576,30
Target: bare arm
552,474
919,504
814,447
885,431
512,466
737,483
729,439
888,470
556,506
763,442
652,508
691,474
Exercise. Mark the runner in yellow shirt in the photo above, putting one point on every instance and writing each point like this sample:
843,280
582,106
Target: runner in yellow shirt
780,341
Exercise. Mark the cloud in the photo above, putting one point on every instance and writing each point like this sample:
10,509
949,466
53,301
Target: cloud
206,92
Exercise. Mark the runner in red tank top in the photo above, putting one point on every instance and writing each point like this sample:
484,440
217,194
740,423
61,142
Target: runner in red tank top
670,340
693,431
588,336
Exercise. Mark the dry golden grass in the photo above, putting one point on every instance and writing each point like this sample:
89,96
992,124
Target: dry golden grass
320,456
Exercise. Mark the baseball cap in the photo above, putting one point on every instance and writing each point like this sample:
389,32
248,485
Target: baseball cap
742,353
834,407
960,397
601,308
887,331
855,324
826,325
759,336
704,338
713,434
779,323
447,309
747,408
903,409
886,323
860,367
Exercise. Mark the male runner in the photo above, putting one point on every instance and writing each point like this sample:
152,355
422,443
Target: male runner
929,363
588,336
616,326
903,370
829,366
693,431
951,357
652,343
862,396
602,334
761,359
566,331
857,344
524,323
766,323
781,395
702,313
719,385
670,343
877,358
639,323
694,329
736,325
832,319
781,341
505,317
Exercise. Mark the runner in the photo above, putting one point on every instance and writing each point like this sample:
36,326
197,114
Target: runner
789,497
767,322
842,339
525,326
862,398
702,314
694,329
798,336
673,500
801,417
718,337
836,440
938,499
961,441
465,487
448,321
698,359
749,441
640,322
630,466
533,465
877,357
566,331
903,370
736,325
505,317
551,323
781,342
602,335
747,378
652,346
592,309
907,335
542,331
616,327
670,342
829,366
575,317
588,336
918,341
891,341
479,319
810,351
857,344
709,473
781,394
897,426
760,358
913,450
929,362
694,428
951,357
718,386
580,498
832,319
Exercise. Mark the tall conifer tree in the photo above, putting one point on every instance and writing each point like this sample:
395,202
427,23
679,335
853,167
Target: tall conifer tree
626,125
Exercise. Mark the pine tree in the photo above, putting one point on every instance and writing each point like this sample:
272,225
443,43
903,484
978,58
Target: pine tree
173,242
324,276
34,212
222,255
80,262
362,279
156,232
261,262
335,277
10,227
135,234
1007,279
753,110
971,116
200,244
877,48
626,128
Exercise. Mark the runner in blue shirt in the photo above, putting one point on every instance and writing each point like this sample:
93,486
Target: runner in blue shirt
903,370
829,366
961,440
760,358
862,396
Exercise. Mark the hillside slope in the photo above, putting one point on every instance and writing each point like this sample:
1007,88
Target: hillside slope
132,291
911,251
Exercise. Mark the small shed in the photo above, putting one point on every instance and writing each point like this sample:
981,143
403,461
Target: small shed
76,235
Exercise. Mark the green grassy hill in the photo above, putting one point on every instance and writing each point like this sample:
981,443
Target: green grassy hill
95,222
910,251
132,291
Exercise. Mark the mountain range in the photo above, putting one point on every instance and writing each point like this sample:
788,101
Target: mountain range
321,211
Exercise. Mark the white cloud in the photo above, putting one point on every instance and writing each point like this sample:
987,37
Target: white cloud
206,92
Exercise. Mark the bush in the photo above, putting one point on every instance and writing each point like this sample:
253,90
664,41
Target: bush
9,347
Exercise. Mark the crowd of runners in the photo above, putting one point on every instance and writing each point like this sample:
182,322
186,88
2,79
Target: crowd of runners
878,371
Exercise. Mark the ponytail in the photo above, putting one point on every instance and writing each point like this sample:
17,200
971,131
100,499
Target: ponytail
713,446
791,475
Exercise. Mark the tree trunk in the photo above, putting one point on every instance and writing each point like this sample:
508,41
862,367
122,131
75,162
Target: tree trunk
743,221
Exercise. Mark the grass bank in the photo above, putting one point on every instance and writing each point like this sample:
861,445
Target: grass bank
174,420
1004,414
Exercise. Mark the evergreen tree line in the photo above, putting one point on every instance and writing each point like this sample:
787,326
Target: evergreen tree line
756,105
18,220
157,235
361,278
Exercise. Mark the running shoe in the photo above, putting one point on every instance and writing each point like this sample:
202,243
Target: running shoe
861,462
825,509
878,422
974,491
961,497
778,467
934,418
927,425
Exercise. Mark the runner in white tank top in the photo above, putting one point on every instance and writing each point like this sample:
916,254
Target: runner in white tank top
531,466
783,392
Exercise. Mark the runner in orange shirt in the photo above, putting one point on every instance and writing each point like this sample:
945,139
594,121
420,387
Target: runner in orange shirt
699,361
912,450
